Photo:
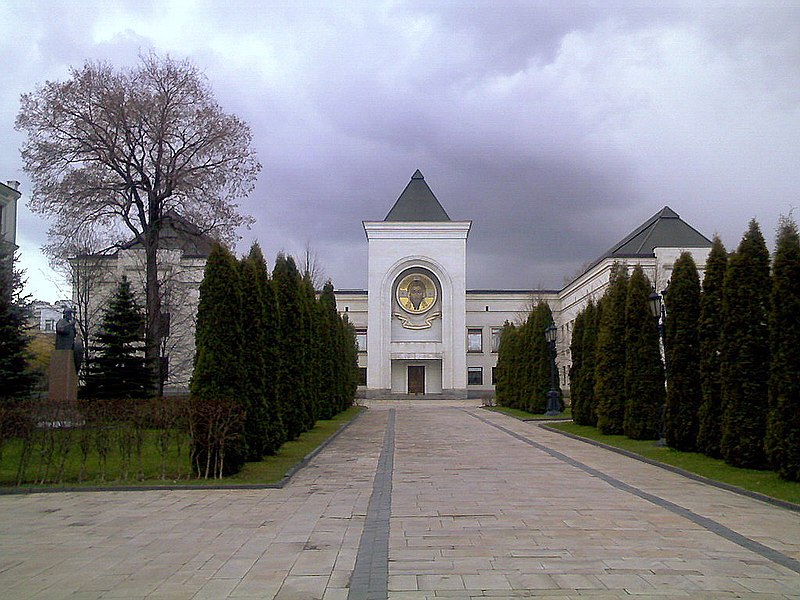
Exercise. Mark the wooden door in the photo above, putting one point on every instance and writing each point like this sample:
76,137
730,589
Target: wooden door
416,380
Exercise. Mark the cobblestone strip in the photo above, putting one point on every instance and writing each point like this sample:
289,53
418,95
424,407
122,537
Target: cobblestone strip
705,522
370,579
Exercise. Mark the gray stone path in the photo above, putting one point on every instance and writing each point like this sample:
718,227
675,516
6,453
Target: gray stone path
479,507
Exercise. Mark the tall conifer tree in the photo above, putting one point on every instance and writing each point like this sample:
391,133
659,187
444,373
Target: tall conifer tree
644,371
783,426
710,330
684,393
216,385
14,373
744,352
587,414
576,395
119,368
275,432
292,317
610,359
330,374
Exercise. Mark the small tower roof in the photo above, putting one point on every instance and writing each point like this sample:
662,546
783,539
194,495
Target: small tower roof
665,229
417,203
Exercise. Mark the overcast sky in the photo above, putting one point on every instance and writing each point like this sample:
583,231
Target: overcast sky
556,127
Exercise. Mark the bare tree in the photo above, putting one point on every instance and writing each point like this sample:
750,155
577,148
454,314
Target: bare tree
115,150
313,267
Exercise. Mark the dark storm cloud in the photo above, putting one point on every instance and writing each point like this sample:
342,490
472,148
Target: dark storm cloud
555,127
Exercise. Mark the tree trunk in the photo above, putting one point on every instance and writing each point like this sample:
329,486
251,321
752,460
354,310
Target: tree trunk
153,297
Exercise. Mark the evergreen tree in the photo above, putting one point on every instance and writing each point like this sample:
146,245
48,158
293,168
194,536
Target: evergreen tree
330,374
710,329
14,373
577,398
347,352
744,352
609,386
216,386
254,379
503,384
275,430
783,424
119,368
308,302
644,371
587,414
291,377
541,363
684,392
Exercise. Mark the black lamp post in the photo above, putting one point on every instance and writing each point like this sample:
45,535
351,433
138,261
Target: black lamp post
657,309
553,405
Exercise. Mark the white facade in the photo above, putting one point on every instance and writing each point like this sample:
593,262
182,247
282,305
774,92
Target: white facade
9,195
447,346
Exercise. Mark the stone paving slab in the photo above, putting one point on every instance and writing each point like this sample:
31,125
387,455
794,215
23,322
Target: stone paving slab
474,512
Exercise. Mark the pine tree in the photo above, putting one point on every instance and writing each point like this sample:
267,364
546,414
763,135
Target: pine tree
744,352
347,353
14,355
311,351
684,392
609,387
710,329
541,363
291,378
644,371
216,386
783,422
119,368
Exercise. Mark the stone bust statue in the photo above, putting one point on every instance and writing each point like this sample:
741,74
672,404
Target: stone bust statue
65,331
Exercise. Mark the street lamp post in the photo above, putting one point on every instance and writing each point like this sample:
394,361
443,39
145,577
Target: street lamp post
659,312
553,404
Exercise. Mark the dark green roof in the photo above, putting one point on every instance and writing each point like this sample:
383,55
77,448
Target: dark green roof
417,203
665,229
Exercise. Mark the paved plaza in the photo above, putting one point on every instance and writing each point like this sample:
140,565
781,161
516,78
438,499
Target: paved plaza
415,500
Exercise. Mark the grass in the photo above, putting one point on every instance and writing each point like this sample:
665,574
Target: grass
147,470
762,482
526,416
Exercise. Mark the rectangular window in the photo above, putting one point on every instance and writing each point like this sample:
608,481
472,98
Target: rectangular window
496,331
362,375
474,340
494,375
474,375
49,325
361,340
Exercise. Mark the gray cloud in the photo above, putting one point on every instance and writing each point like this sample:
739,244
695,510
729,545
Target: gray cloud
556,128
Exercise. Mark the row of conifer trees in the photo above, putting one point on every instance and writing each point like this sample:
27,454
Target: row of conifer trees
732,366
271,359
522,374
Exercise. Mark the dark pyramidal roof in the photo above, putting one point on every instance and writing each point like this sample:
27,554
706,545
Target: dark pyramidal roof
665,229
417,203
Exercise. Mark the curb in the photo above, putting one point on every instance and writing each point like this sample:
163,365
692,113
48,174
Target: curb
18,491
678,471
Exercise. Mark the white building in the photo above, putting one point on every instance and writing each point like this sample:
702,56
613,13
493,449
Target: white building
421,331
9,195
181,257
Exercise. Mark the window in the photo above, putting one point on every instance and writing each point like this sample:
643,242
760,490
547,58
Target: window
361,340
49,325
474,340
474,375
362,375
496,331
494,375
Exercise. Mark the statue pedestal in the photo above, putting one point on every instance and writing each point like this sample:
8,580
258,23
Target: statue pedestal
63,378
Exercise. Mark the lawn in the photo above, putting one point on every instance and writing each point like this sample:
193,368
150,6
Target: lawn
56,458
526,416
762,482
